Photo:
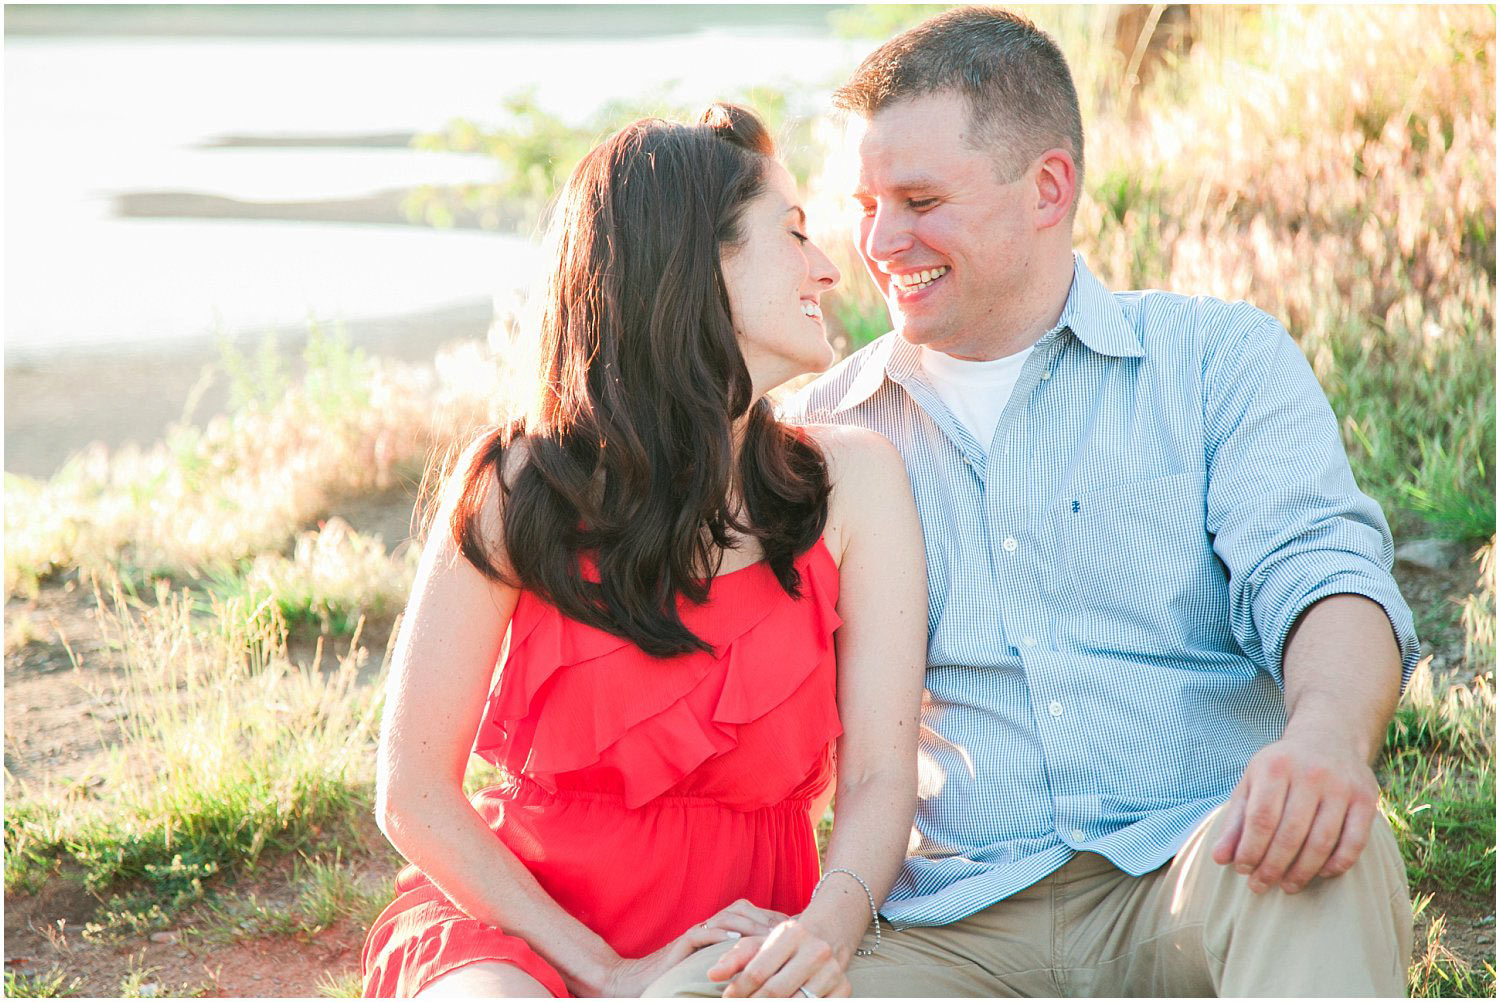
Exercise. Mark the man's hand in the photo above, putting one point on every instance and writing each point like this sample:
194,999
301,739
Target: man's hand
1303,809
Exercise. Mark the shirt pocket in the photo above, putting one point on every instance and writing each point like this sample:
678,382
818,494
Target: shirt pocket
1137,559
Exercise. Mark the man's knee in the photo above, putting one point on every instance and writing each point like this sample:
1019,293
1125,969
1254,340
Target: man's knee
1374,890
1349,934
1378,873
689,979
1377,877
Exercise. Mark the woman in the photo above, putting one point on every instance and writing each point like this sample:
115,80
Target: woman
696,596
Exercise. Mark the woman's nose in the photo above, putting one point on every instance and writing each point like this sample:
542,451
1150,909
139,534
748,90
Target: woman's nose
822,268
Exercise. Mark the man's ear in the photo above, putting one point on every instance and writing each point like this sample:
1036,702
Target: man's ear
1056,187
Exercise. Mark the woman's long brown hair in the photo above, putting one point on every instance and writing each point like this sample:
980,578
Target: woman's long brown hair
629,461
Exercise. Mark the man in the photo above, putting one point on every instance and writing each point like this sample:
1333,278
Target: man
1165,642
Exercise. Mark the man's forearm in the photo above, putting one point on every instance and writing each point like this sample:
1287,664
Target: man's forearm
1342,672
1304,806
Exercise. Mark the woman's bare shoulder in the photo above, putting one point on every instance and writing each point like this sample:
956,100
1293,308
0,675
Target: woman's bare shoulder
867,478
477,489
856,452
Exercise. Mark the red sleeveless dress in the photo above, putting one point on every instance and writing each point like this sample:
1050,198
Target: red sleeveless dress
644,794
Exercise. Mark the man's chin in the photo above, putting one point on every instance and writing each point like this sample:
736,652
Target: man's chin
940,340
920,335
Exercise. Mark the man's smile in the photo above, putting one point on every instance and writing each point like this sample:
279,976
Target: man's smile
910,285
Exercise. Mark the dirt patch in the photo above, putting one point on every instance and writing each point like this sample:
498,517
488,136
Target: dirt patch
1436,598
63,704
218,950
62,689
63,717
387,514
1468,926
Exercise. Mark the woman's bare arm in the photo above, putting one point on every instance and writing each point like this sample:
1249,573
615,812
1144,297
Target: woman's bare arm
882,651
882,655
445,655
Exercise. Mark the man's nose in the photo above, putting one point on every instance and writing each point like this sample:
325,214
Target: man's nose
885,235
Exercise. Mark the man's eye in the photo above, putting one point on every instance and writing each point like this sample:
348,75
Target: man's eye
921,204
801,237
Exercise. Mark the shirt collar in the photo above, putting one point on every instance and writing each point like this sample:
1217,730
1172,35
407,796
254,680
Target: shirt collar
1091,312
1095,317
872,374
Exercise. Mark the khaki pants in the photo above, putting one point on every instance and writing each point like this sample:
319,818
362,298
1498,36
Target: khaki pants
1191,928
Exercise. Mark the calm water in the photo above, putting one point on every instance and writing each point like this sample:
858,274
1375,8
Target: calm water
89,119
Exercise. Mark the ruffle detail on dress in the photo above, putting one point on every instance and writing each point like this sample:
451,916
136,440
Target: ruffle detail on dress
572,697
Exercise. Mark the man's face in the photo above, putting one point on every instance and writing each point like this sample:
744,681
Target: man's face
949,244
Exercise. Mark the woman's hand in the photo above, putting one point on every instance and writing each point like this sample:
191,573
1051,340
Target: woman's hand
792,959
744,919
629,976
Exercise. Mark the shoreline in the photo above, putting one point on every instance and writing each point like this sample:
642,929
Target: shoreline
58,405
62,398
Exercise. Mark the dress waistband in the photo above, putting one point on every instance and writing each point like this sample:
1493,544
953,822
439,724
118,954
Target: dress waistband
524,788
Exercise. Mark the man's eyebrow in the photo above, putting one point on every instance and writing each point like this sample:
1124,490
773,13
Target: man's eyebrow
914,182
801,216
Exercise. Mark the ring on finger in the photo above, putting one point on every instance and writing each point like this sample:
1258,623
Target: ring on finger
805,993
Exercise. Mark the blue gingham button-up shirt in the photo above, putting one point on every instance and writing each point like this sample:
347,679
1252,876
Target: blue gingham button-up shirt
1111,580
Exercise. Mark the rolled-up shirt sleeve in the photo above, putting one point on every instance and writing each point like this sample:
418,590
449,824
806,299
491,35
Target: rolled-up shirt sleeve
1287,519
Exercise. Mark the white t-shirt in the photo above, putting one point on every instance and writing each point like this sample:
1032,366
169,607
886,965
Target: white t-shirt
976,392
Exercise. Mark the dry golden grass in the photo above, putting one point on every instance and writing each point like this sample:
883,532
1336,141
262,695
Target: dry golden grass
205,499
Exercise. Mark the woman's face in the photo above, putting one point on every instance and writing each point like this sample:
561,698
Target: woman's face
775,277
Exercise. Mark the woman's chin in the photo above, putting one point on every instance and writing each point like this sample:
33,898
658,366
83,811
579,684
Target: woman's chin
788,368
821,360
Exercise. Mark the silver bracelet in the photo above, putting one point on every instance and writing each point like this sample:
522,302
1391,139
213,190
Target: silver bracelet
874,914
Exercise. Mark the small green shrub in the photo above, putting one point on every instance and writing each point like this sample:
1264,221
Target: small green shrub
340,986
335,579
53,985
1439,779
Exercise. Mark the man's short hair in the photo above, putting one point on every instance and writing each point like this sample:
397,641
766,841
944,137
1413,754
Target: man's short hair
1021,97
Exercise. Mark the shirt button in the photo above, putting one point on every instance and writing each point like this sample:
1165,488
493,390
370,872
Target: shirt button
1054,708
1009,544
1077,834
1029,641
1046,375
